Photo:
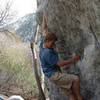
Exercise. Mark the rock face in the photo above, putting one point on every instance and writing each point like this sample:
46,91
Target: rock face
76,24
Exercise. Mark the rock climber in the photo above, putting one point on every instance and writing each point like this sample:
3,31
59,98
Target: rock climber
69,83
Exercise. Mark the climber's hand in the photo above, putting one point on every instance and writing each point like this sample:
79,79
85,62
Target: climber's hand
76,57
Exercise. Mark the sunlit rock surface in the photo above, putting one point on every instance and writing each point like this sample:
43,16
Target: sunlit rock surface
77,26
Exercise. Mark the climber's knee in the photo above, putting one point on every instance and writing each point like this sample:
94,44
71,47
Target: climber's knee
76,79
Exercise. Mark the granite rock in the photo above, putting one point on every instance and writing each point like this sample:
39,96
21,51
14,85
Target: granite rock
77,26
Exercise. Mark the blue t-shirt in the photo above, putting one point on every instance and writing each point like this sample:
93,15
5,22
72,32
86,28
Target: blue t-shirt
48,58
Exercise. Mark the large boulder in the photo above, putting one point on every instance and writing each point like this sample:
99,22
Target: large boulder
76,24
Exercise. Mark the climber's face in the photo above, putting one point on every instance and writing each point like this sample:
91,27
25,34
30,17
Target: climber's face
51,43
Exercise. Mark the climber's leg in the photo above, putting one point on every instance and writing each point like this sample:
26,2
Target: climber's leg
72,97
76,87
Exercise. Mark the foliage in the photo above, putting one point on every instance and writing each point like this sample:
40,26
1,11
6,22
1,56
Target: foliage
18,64
6,13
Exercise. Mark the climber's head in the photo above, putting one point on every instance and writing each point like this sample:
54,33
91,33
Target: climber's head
50,40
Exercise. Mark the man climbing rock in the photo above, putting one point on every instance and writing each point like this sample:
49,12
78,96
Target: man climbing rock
50,63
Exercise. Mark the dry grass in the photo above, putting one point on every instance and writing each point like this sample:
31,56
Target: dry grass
18,64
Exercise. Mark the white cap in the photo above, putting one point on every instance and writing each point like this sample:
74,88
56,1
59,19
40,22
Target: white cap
15,97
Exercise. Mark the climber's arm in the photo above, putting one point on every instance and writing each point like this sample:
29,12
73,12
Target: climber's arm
44,26
66,62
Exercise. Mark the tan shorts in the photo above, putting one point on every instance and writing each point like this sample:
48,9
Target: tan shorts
63,80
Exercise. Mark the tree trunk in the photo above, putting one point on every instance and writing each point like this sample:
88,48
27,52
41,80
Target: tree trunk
36,74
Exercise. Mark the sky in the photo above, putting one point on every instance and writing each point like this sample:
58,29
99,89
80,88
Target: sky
23,7
20,7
